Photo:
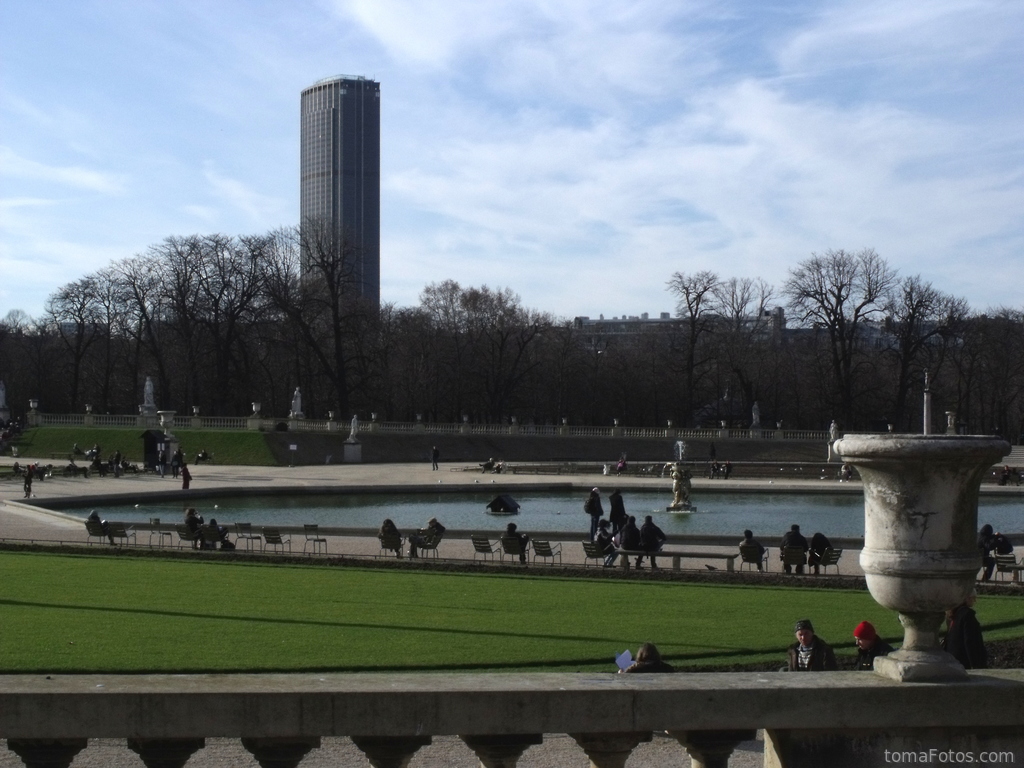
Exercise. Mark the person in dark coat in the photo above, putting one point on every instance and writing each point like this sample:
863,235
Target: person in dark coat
819,543
985,548
186,477
652,538
616,511
648,660
869,646
523,539
750,541
793,538
592,506
629,536
810,653
963,638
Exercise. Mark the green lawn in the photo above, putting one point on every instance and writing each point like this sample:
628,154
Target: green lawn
227,447
67,613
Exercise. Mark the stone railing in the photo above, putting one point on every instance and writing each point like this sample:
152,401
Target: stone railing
152,421
813,719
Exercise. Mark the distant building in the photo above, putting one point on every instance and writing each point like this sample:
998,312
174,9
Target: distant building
340,171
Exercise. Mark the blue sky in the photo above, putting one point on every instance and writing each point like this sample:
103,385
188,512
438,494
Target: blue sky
578,152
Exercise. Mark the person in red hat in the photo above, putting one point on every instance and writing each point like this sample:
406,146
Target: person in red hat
869,645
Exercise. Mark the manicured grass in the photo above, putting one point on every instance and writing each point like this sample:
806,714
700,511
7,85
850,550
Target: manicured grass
227,447
68,613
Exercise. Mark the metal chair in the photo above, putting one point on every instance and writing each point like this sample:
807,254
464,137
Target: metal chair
794,556
830,557
154,531
243,532
313,537
592,551
273,538
751,555
546,550
511,546
391,544
483,546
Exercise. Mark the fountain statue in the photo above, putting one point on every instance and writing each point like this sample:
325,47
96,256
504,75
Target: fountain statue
681,487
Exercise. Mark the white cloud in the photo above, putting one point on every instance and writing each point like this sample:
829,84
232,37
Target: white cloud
14,165
259,208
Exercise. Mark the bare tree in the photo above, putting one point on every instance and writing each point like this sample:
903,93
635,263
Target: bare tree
924,322
695,304
838,292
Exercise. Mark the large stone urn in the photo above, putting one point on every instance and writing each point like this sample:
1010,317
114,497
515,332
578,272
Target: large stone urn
920,553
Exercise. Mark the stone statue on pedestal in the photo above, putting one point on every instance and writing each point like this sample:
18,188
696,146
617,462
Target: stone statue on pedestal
296,405
681,487
148,399
355,429
756,413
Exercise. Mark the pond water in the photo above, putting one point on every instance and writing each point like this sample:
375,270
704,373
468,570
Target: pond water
727,513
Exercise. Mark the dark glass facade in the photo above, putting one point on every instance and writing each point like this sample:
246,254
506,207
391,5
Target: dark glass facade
340,170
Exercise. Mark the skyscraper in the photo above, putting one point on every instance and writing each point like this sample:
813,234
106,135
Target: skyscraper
340,171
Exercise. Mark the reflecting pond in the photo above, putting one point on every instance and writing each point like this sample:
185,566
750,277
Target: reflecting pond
767,514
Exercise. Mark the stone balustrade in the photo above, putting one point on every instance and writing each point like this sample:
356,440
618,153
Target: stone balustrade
814,719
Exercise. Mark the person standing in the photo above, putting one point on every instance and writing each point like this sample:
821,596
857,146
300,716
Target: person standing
592,506
792,538
29,471
161,461
435,455
176,462
616,511
186,477
810,653
869,646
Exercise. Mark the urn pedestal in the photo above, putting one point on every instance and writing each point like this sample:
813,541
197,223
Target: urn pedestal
920,554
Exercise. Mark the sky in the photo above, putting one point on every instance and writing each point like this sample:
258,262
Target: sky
579,152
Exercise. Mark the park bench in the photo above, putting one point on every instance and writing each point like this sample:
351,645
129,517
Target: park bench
1008,564
677,556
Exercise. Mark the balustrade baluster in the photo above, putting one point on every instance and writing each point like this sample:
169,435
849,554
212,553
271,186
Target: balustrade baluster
501,751
711,749
46,753
165,753
609,750
280,752
390,751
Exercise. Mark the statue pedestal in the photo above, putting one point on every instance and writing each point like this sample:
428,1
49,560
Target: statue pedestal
353,452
